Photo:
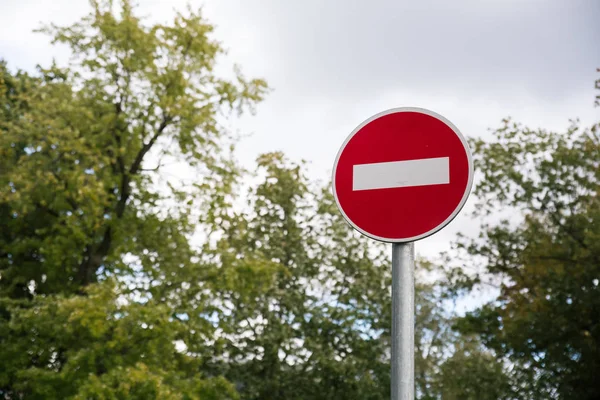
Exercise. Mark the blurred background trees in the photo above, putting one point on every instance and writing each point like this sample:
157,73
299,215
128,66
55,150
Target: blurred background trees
546,317
117,283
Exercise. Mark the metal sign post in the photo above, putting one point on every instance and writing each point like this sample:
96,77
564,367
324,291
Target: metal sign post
400,176
403,321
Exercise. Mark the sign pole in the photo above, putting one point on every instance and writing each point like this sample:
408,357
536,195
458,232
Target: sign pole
403,158
403,321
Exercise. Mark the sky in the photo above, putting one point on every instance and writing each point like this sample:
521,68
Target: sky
332,64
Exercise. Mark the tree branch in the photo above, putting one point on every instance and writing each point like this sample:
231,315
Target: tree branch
69,200
137,162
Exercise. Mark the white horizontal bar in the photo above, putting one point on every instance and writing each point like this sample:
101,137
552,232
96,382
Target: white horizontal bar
397,174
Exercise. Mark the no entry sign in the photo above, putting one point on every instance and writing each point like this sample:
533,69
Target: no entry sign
402,175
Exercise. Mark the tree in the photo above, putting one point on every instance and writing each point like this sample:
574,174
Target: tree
300,303
92,347
85,225
546,318
472,373
449,365
13,97
88,130
303,303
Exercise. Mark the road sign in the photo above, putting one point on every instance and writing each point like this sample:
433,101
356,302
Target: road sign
402,175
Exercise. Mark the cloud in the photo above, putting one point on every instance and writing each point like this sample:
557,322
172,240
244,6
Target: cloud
353,48
335,63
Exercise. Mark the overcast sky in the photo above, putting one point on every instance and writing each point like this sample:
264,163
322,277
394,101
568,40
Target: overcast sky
334,63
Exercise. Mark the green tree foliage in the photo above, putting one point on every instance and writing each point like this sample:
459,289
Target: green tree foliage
80,205
77,151
92,347
449,365
15,235
472,373
546,318
304,304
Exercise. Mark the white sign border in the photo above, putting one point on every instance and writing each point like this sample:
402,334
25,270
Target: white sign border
458,207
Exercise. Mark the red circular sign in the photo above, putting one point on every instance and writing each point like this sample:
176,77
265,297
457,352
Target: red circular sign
402,175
